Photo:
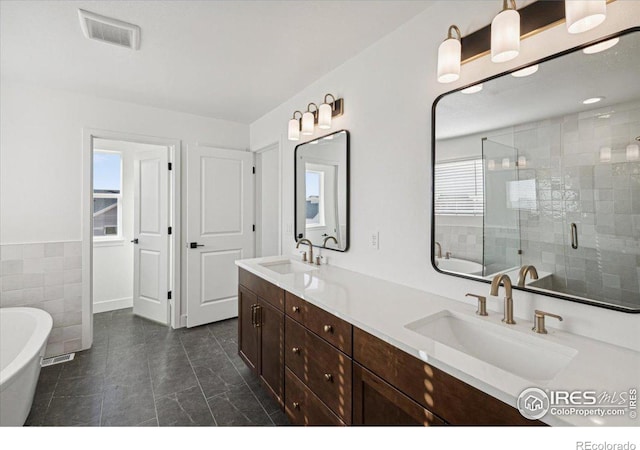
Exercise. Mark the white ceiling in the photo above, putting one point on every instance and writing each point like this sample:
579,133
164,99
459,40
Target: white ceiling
233,60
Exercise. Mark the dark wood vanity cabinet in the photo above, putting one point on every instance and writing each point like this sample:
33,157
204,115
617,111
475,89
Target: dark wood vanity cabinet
324,371
261,331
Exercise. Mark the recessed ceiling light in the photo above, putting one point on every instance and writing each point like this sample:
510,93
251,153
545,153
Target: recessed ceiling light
602,46
526,71
472,89
592,100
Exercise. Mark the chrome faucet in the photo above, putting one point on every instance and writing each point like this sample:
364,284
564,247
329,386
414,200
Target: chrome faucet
522,276
308,242
438,250
508,296
324,243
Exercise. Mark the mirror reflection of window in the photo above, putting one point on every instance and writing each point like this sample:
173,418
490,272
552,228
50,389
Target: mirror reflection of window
314,198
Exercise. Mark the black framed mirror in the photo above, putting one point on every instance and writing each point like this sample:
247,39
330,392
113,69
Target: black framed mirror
540,166
322,191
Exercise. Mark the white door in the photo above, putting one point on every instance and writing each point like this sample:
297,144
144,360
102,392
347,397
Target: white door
151,235
219,230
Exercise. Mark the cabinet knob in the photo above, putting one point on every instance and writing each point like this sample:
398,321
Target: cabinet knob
296,309
296,350
296,405
328,329
328,377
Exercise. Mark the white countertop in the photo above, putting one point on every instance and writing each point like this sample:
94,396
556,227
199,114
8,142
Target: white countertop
382,309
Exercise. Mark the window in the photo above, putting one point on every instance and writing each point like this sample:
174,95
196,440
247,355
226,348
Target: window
107,195
459,188
314,181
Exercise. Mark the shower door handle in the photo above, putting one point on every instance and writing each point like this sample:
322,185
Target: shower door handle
574,236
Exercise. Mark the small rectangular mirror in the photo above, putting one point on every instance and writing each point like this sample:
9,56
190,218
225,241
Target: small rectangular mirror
322,191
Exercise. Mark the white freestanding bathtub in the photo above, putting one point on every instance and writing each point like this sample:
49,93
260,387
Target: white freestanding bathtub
23,338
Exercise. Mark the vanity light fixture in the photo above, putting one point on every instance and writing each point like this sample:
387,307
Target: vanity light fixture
505,33
633,152
322,116
602,46
294,127
605,154
449,54
308,119
584,15
592,100
472,89
525,72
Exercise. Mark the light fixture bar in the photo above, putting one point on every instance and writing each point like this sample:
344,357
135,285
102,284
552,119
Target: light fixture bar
534,18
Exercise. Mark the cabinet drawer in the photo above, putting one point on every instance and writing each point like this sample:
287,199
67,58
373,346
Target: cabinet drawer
320,366
455,401
333,330
303,407
263,289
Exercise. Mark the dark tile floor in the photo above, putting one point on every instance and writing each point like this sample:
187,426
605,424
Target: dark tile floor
139,373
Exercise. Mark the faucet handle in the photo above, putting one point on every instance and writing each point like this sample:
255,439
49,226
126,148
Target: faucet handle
304,256
538,321
482,304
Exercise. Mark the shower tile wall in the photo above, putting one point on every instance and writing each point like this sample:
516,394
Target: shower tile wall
601,196
46,276
464,242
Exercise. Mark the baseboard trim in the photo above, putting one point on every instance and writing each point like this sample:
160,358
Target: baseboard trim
112,305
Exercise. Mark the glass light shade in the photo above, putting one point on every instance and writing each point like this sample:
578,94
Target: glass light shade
522,162
583,15
472,89
294,130
602,46
449,54
505,36
525,72
491,164
605,154
307,123
633,152
324,116
506,163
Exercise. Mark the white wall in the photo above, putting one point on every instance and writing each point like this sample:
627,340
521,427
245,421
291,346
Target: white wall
41,154
388,90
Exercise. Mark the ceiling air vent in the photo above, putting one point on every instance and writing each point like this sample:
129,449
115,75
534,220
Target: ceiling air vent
111,31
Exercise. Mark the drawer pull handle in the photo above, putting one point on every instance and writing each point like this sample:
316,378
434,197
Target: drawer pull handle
328,377
296,350
296,405
328,329
296,309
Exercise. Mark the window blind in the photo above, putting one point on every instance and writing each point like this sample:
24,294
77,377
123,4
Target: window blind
459,188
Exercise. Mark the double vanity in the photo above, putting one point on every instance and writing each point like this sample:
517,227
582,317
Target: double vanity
335,347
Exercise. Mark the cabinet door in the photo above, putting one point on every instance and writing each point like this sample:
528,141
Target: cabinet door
271,347
247,330
376,402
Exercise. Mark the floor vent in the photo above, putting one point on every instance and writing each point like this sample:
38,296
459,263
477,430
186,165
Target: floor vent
57,359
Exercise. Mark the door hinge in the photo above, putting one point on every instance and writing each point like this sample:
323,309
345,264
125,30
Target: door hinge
169,295
254,227
170,166
170,230
253,170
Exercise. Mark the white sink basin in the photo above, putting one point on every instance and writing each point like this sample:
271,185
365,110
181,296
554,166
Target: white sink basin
287,266
459,266
528,357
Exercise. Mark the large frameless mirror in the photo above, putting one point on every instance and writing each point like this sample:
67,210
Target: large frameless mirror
322,191
541,167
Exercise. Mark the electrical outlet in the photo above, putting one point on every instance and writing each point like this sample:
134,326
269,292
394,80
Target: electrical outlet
375,240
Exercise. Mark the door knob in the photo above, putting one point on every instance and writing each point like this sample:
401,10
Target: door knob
135,241
195,245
